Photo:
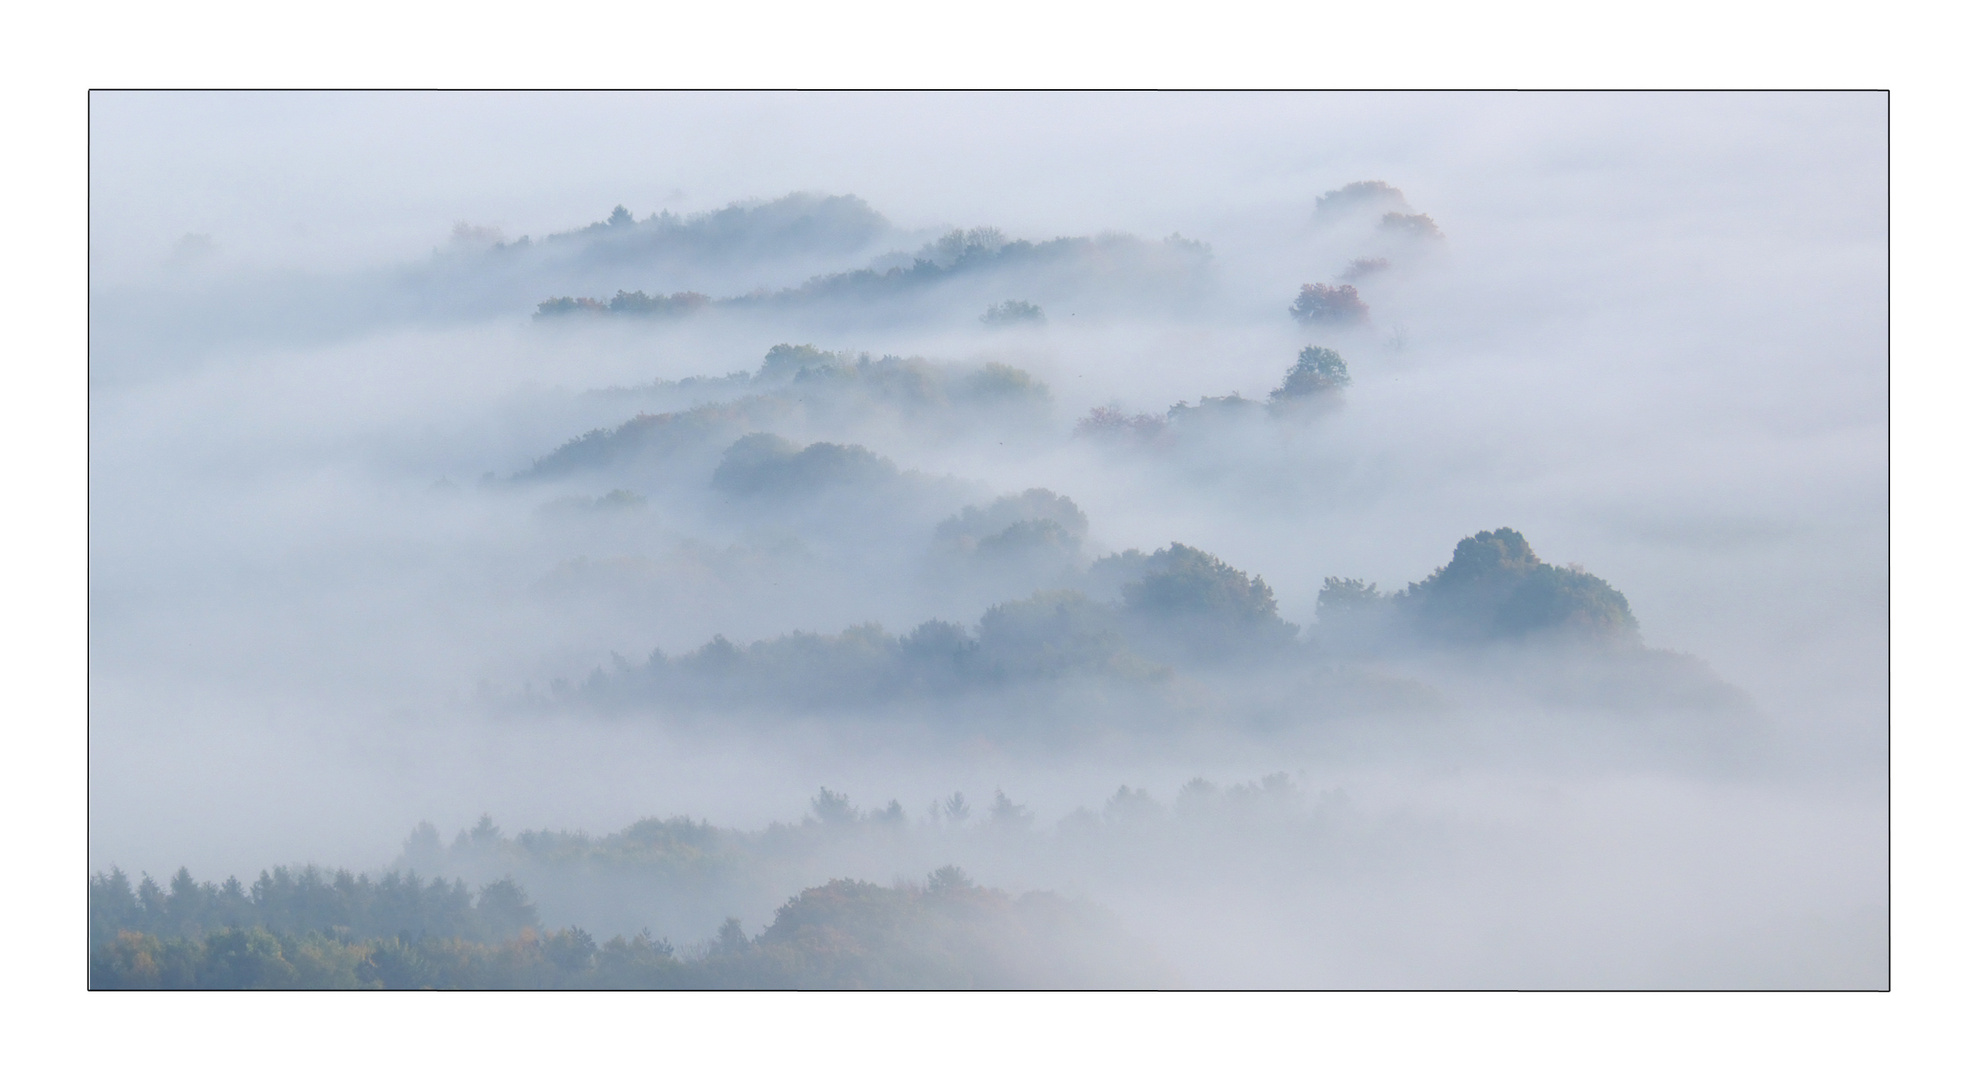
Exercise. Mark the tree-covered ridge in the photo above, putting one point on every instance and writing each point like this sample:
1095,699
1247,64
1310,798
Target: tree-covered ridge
748,229
1196,604
1050,635
1128,621
1494,589
765,464
1178,608
1316,379
1019,542
1179,604
624,303
797,382
659,435
1124,263
1014,522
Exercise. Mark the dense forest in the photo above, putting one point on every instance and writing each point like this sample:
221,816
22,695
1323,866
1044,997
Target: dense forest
419,924
307,930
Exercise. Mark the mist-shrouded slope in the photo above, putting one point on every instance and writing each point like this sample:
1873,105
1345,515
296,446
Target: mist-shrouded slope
967,270
1151,646
1032,520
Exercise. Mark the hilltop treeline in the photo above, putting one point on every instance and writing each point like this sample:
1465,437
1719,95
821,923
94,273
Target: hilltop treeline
1316,380
804,383
1178,602
799,222
1179,607
1123,264
803,386
1494,589
294,900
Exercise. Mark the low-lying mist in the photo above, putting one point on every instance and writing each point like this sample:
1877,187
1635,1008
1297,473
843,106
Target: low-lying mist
1358,558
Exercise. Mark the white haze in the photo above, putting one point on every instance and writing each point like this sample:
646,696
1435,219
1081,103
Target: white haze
1653,341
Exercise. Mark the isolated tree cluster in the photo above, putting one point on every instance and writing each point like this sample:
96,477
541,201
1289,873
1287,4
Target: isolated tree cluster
1322,304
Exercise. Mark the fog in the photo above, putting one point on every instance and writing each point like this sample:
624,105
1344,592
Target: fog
823,474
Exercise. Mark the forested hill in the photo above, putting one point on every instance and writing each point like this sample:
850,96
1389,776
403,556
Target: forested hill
1111,269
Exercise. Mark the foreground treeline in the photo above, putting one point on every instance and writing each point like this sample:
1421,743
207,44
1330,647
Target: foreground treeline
292,901
421,925
845,935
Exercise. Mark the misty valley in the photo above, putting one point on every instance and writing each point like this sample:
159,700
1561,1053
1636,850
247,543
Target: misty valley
797,593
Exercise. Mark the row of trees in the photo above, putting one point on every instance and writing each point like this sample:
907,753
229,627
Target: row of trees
288,900
624,303
959,253
1013,313
1177,605
254,958
1318,375
844,935
1113,257
321,930
1495,588
795,379
753,229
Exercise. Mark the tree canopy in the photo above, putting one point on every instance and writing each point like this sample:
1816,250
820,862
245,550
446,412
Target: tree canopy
1495,587
1318,371
1318,303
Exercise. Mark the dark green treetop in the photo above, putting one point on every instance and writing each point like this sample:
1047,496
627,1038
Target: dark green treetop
1495,587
